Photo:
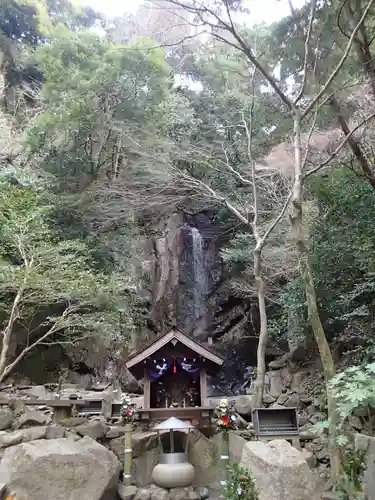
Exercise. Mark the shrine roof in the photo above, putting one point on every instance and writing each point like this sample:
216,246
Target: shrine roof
164,339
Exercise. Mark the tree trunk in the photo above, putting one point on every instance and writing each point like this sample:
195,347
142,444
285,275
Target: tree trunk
362,41
353,144
263,334
7,333
313,313
5,369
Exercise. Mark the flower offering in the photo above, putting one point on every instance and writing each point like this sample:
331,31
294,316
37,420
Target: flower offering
226,418
128,409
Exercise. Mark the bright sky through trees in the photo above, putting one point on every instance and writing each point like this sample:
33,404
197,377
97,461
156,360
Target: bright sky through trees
261,10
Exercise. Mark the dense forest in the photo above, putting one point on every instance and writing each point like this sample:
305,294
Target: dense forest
107,125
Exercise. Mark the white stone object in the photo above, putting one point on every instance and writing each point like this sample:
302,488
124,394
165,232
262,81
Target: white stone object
173,475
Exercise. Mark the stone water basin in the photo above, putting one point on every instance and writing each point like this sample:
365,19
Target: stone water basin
173,471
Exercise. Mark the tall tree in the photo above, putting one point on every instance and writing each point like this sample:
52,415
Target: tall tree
219,19
220,161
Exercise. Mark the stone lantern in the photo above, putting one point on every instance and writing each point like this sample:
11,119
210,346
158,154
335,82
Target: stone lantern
173,469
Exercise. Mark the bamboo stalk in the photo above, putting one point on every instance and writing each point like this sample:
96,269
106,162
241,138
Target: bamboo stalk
128,454
224,457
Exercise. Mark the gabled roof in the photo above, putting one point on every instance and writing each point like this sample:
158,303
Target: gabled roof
174,333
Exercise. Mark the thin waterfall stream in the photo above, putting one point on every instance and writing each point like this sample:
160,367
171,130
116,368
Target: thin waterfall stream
199,272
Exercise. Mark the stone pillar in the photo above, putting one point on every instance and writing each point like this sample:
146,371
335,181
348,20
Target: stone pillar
128,454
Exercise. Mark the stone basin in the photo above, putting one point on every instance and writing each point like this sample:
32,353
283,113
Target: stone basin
173,471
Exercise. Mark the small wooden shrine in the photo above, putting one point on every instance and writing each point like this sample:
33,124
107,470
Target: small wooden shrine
174,369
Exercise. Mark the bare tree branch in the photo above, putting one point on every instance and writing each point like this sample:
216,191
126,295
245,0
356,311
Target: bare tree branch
339,147
340,64
307,51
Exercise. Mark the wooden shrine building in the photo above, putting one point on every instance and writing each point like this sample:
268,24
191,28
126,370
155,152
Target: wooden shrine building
174,369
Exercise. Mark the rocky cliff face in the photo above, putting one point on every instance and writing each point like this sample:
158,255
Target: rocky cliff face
188,272
189,278
185,287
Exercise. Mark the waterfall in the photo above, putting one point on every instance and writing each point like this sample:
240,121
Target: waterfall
198,273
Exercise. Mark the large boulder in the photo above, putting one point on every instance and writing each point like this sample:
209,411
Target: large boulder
183,494
244,404
295,355
276,383
146,450
203,453
95,429
60,469
115,431
236,446
280,471
6,418
22,436
31,418
31,434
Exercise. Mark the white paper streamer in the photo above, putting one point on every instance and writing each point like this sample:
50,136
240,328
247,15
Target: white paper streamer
127,475
224,457
128,450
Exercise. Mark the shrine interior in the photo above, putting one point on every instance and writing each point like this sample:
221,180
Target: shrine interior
175,377
175,390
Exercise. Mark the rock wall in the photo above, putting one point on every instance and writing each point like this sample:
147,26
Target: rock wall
187,272
168,246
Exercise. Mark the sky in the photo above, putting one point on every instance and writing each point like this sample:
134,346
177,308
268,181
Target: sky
260,10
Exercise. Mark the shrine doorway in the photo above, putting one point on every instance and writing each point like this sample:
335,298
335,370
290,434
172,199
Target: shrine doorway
175,390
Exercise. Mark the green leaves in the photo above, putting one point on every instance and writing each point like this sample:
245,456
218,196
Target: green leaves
114,99
324,424
354,390
53,275
240,484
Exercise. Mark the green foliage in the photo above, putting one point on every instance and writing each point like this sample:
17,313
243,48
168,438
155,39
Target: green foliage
240,485
30,21
56,279
110,124
343,254
354,391
349,486
22,20
114,94
343,260
216,135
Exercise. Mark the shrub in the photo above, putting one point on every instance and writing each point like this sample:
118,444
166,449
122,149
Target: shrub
240,485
